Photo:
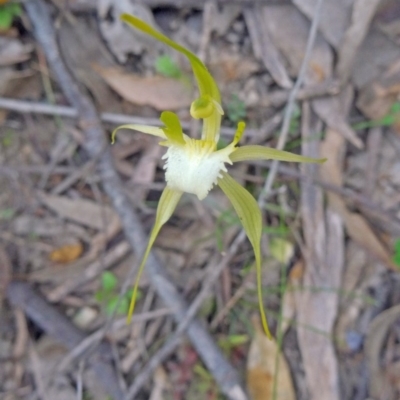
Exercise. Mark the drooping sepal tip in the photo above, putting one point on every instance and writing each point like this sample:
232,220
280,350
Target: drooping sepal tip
250,216
239,132
113,135
264,320
166,206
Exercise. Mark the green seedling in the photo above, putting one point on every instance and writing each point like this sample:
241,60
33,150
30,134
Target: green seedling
388,120
166,66
7,138
6,214
228,343
7,14
396,256
205,383
108,297
236,109
295,120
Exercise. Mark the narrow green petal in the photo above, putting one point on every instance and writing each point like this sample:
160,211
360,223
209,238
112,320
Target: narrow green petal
204,79
249,214
173,128
210,98
255,152
150,130
239,132
168,202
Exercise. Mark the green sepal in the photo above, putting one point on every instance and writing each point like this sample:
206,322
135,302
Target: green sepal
250,216
166,206
149,130
204,79
256,152
207,86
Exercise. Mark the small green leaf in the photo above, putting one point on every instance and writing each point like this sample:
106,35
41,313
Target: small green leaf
396,256
111,304
166,66
99,296
7,14
233,341
236,109
109,281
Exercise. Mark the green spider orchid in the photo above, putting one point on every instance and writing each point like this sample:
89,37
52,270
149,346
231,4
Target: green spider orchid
195,165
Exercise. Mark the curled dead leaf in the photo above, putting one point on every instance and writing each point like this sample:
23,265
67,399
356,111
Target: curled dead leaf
160,92
263,370
67,253
379,382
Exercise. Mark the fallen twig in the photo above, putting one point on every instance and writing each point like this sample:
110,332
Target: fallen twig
97,146
55,324
212,275
291,101
27,107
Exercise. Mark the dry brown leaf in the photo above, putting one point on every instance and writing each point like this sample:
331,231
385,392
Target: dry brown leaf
13,51
81,46
144,171
226,66
157,91
264,47
362,15
81,211
324,259
160,384
261,369
292,41
329,110
5,273
357,227
334,18
375,54
121,38
376,99
289,298
379,386
67,253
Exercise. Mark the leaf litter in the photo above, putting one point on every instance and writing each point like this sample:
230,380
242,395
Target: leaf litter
336,308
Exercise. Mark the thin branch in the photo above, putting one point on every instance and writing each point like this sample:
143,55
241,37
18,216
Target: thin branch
55,324
29,107
212,274
291,101
97,146
91,5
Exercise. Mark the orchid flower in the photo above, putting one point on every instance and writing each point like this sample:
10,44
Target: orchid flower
195,165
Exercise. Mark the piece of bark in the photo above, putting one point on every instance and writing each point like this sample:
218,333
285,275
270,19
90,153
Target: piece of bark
374,142
55,324
324,257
